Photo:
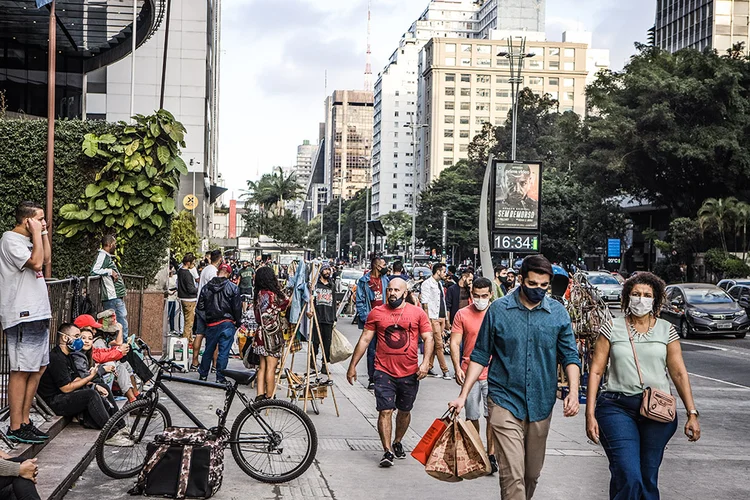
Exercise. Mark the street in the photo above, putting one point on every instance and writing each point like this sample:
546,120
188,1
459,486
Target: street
716,467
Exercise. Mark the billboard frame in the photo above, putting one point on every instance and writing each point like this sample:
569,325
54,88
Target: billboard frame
494,231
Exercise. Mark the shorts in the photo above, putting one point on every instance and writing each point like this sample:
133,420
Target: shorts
476,401
395,393
28,345
199,323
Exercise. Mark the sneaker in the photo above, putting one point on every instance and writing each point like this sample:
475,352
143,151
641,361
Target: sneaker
431,373
398,451
34,429
447,376
493,464
387,460
23,435
120,440
371,386
202,378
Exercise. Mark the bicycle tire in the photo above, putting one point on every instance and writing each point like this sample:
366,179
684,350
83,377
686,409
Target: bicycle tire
105,454
289,409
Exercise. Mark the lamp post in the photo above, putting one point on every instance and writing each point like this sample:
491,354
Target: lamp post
414,127
515,56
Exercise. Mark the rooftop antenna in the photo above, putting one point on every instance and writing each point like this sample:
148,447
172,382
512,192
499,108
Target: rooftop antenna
368,66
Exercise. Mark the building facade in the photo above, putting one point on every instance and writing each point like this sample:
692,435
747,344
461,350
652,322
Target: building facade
466,84
700,24
348,142
515,15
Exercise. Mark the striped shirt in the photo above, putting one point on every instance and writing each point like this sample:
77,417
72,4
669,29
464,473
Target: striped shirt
104,266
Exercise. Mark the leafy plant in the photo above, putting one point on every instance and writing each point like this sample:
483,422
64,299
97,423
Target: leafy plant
183,238
133,193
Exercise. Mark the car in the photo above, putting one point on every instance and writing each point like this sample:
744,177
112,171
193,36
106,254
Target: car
610,290
704,309
727,284
348,278
741,293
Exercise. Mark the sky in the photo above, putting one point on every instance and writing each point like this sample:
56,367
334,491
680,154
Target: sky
275,55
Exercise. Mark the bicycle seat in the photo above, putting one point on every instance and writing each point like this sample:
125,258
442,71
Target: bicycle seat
241,377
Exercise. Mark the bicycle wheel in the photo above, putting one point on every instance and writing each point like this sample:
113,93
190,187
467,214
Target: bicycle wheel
274,441
133,428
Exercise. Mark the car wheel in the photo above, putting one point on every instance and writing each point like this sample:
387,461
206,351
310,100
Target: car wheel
684,331
740,335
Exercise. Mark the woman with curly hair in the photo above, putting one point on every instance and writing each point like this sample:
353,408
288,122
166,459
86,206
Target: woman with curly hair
270,304
635,444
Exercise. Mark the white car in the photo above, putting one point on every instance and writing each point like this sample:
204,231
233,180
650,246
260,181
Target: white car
348,278
610,290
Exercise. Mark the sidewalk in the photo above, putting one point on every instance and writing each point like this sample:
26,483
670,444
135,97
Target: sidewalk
349,451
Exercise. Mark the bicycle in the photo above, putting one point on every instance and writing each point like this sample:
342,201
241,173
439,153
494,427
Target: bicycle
272,441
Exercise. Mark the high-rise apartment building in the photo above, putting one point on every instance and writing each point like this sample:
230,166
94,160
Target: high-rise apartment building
697,24
302,171
465,84
348,142
510,15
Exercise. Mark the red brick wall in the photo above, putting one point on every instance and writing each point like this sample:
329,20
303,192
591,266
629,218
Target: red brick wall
152,326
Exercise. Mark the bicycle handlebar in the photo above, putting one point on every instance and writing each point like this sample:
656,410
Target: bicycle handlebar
161,363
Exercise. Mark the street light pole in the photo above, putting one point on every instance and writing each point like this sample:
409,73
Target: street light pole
414,128
515,56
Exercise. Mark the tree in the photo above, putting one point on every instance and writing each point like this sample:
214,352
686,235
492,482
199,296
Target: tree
718,213
397,225
742,218
272,191
183,238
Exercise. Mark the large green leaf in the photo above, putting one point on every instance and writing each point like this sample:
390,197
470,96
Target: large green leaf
97,216
157,198
155,129
93,190
179,164
126,188
163,153
109,221
112,186
151,171
158,220
145,210
135,200
132,147
112,199
168,205
107,139
143,183
90,145
100,205
129,221
67,210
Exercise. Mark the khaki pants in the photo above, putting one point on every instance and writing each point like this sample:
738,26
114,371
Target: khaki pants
188,312
519,447
438,325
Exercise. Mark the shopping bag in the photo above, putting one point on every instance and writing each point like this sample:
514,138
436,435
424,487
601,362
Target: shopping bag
472,460
441,463
423,449
341,348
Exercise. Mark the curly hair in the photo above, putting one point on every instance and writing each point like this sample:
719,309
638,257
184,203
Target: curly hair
265,279
643,278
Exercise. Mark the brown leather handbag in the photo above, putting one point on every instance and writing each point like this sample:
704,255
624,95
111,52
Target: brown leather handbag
656,405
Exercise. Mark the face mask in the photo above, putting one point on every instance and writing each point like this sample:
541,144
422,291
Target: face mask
394,302
75,344
481,304
641,306
535,295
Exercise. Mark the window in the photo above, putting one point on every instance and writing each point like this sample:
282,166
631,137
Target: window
395,195
484,49
483,92
483,79
395,104
537,51
395,176
450,105
395,113
554,94
503,63
466,61
535,64
395,185
447,162
535,80
448,147
554,82
483,62
395,155
554,51
450,91
569,66
464,120
450,119
569,96
554,65
395,207
502,107
465,47
448,133
450,48
217,226
503,93
465,106
482,106
395,124
481,120
450,77
502,79
570,52
569,82
464,134
395,145
465,92
465,78
463,148
450,61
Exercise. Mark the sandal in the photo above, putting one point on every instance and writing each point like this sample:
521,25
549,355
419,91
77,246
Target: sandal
194,368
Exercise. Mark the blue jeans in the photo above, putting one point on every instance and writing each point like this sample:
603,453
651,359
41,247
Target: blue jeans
221,335
634,445
122,314
171,312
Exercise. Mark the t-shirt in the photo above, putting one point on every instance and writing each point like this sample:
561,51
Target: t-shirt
60,372
467,323
324,304
23,291
246,277
209,272
398,332
464,297
376,285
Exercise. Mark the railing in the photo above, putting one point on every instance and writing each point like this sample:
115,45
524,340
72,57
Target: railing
67,298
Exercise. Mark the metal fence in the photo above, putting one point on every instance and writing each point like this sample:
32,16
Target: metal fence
67,298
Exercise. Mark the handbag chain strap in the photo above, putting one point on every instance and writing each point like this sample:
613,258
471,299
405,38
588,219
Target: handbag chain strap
635,354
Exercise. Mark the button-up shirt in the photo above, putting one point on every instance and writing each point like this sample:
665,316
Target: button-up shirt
433,295
522,348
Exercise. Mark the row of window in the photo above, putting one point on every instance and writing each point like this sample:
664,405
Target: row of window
503,63
450,48
553,81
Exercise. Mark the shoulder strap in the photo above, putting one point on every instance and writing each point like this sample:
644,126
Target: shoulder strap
635,354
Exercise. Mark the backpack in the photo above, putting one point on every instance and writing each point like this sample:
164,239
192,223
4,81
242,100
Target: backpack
182,461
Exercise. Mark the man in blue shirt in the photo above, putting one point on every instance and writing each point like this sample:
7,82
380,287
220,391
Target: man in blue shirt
522,337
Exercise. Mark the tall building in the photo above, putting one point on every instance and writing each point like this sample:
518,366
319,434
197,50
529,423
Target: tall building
698,24
303,171
465,84
512,15
348,142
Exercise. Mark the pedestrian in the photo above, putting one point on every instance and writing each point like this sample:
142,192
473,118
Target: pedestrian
458,296
112,288
187,293
270,303
172,301
466,325
511,283
398,271
398,327
324,300
635,444
247,275
18,477
221,305
199,324
433,301
370,291
501,280
25,315
522,337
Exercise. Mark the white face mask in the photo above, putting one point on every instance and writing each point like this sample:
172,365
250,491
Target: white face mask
641,306
481,304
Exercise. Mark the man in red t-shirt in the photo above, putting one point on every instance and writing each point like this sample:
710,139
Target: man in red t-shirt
398,326
465,329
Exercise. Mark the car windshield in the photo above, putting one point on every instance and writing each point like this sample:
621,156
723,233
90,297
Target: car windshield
707,296
603,279
351,275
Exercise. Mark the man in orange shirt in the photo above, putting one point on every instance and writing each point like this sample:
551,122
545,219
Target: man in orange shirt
465,329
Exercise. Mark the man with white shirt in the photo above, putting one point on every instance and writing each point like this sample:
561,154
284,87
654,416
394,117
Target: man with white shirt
209,272
432,297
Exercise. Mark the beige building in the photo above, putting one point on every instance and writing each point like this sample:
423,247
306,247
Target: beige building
464,84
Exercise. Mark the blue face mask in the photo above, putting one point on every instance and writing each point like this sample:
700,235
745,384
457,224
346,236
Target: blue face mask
535,295
75,344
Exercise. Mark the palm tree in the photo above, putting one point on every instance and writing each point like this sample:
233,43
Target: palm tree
742,218
273,190
718,213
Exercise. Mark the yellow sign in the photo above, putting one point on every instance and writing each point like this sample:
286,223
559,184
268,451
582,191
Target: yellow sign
190,201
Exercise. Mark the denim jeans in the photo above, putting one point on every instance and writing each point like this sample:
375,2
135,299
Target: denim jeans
634,445
172,313
221,335
122,314
23,489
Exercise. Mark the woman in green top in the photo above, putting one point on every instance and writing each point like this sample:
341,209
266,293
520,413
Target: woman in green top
634,444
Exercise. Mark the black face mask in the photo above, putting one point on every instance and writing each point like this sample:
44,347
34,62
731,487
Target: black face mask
395,303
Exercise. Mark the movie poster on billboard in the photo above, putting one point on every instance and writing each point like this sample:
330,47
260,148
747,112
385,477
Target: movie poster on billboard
517,193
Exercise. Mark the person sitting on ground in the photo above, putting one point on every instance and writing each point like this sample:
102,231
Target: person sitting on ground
18,476
66,393
84,361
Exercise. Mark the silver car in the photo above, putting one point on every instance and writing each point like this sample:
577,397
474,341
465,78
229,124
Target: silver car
348,278
610,290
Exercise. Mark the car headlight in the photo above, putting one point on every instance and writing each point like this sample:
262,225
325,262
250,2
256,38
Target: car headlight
696,314
739,313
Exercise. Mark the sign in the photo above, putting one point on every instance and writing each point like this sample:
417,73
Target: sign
511,242
613,247
476,250
615,261
517,195
190,202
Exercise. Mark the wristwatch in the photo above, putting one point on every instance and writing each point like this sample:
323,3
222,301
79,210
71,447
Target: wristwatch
693,412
